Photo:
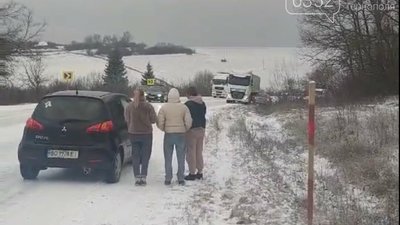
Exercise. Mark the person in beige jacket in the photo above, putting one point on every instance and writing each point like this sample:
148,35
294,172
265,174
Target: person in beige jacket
175,120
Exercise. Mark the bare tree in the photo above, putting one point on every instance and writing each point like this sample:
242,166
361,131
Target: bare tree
17,30
126,37
285,77
202,81
33,76
362,43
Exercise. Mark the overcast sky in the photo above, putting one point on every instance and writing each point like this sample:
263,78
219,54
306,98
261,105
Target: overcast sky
186,22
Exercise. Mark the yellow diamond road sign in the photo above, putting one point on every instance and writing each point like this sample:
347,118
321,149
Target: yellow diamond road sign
150,82
68,75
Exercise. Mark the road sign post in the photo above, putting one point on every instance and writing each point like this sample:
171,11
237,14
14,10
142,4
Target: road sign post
311,152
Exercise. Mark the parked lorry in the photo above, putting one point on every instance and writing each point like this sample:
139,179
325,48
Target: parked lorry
219,85
242,87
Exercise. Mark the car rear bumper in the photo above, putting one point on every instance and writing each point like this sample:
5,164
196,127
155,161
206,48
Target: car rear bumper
96,157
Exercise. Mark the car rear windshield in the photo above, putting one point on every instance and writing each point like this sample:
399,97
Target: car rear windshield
70,109
156,89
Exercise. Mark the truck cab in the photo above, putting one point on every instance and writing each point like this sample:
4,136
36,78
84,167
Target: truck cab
219,86
242,87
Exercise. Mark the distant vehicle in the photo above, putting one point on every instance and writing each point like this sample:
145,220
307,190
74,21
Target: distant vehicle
219,86
69,130
156,94
242,87
263,99
266,98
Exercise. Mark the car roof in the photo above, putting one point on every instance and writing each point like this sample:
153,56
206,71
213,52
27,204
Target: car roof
156,88
81,93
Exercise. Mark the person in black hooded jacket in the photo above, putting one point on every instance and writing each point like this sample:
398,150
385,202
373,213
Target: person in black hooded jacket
195,136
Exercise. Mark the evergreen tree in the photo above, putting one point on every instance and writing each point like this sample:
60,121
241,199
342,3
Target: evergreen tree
149,74
115,72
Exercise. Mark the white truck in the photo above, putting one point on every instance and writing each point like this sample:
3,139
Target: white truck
242,87
219,85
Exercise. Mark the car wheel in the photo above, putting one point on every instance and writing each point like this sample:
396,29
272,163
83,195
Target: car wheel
114,173
29,172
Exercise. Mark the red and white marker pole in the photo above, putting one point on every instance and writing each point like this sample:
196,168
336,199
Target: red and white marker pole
311,152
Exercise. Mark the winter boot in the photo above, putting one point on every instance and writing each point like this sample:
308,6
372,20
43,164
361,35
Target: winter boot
182,182
191,177
167,182
138,182
143,181
199,176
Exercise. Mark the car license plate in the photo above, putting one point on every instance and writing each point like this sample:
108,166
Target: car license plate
62,154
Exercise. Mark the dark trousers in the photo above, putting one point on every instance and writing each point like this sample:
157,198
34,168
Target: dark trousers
141,152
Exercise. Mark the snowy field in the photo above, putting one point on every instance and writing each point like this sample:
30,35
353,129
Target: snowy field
181,68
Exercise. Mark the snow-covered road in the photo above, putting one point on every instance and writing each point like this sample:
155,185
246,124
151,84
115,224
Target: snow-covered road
66,197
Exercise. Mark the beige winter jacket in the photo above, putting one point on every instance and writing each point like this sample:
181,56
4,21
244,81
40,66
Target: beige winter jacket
174,116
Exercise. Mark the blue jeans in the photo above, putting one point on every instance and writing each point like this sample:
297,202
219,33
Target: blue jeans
141,152
176,140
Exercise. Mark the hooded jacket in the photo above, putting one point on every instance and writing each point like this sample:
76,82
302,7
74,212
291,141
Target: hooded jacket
197,110
174,116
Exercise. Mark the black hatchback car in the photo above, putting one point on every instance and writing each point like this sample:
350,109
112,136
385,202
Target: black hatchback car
76,129
157,94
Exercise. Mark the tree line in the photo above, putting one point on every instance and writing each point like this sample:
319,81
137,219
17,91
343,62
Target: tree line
103,45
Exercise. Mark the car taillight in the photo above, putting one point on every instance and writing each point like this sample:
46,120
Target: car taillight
104,127
34,125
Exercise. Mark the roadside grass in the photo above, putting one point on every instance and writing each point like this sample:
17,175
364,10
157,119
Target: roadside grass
270,198
356,167
253,191
267,109
361,144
